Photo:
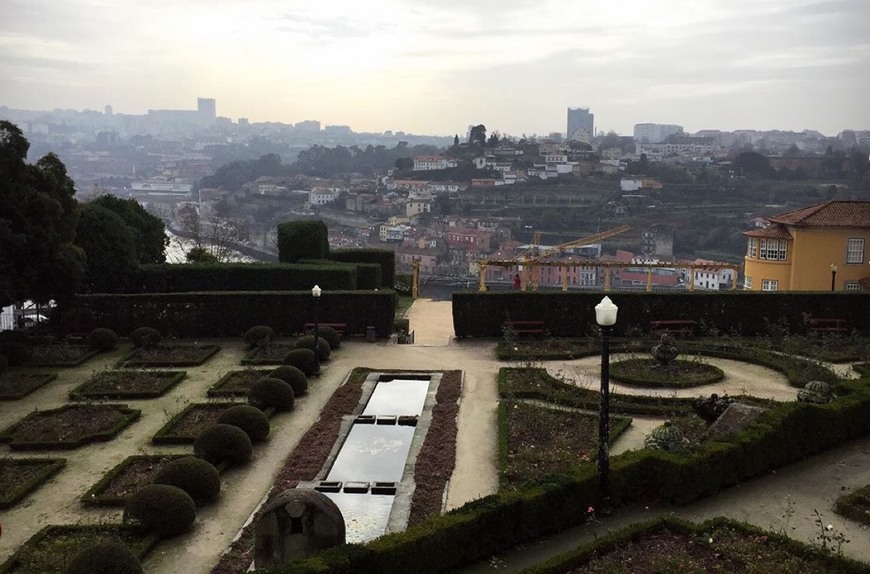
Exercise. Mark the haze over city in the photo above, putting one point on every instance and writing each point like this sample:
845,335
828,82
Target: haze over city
436,67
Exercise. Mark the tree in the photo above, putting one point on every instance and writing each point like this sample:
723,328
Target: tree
404,163
38,215
200,255
456,139
753,164
493,140
110,248
477,135
213,235
149,232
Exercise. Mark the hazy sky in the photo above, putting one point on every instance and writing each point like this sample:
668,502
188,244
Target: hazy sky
436,66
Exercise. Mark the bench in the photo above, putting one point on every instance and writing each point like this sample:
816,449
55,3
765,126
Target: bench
339,327
525,327
674,326
826,325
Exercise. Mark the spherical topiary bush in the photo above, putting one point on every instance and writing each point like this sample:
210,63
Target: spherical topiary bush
269,392
195,476
293,376
160,509
145,337
303,359
4,363
307,342
248,418
221,442
104,557
102,339
16,353
259,335
331,335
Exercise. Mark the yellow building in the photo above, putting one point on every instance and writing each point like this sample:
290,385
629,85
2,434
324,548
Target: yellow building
818,248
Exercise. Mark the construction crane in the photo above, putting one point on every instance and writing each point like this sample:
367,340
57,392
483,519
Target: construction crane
562,247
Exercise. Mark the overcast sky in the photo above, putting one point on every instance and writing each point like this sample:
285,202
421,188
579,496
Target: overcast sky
436,66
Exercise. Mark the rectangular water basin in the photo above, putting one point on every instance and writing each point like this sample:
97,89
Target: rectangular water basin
398,397
365,515
373,453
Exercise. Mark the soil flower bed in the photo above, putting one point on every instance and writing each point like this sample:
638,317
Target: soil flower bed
537,441
68,427
236,383
127,384
679,374
272,353
126,479
166,354
21,476
51,549
59,355
17,385
184,427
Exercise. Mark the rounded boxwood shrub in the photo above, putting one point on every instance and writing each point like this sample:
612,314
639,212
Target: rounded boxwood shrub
221,442
270,392
102,339
293,376
145,337
4,363
195,476
307,342
248,418
16,353
303,359
330,334
259,335
160,509
104,557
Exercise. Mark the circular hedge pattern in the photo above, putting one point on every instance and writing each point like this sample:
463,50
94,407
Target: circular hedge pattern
305,360
270,392
248,418
293,376
221,442
195,476
160,509
646,373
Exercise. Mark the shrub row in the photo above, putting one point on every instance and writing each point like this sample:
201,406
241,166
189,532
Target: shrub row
492,524
195,277
231,314
384,258
572,314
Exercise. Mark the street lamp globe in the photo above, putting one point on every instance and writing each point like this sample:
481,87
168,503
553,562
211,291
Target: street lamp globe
316,291
605,313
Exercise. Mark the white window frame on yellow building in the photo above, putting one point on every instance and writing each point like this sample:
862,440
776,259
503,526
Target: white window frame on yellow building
769,285
773,250
854,253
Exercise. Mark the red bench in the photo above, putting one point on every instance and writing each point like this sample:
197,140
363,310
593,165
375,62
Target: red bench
674,326
525,327
826,325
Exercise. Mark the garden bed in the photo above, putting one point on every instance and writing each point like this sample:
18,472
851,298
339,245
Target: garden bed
184,427
68,427
51,549
855,505
536,441
237,383
59,355
13,386
166,354
21,476
128,384
272,353
126,479
677,375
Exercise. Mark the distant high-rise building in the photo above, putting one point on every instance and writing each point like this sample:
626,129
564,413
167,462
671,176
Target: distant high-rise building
108,110
206,107
655,133
581,124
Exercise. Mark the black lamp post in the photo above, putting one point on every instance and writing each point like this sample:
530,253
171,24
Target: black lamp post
315,292
833,275
605,316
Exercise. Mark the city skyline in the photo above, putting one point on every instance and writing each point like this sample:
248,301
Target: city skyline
435,68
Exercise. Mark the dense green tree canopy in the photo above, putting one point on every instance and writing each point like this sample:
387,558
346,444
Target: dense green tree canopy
38,215
149,232
110,248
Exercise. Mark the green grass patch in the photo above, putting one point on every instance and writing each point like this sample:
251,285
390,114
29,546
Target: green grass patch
127,384
166,354
125,480
15,385
855,505
68,427
184,427
21,476
678,375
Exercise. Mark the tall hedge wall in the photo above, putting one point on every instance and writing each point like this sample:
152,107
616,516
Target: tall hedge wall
302,240
368,275
230,314
383,257
477,314
181,278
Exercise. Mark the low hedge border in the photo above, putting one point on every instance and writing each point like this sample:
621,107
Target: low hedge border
620,371
169,380
86,353
128,416
94,495
785,434
48,468
134,358
14,386
271,354
226,386
166,433
600,547
140,544
855,505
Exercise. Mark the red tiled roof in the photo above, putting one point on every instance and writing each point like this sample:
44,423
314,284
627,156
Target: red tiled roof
770,232
828,214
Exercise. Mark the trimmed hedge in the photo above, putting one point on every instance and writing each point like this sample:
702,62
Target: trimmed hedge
104,557
195,476
248,418
195,277
782,435
572,314
222,442
302,240
384,258
231,314
305,360
160,509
